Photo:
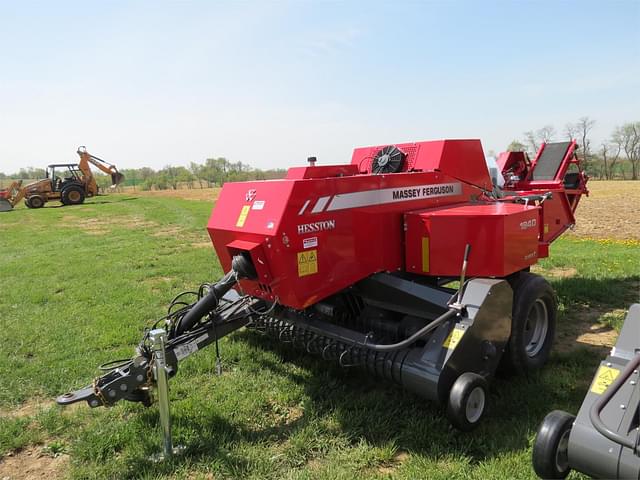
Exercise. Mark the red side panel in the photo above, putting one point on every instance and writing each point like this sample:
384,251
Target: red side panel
312,238
503,239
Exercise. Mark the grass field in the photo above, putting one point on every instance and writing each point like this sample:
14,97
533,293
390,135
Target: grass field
79,284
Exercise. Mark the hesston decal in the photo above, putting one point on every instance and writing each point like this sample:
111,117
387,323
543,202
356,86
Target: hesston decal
316,227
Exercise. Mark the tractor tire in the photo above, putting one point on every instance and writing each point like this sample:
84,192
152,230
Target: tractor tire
467,401
72,195
550,448
533,324
35,201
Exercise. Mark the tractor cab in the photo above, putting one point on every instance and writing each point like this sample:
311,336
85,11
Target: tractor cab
63,175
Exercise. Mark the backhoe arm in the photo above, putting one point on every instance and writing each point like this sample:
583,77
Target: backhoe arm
86,158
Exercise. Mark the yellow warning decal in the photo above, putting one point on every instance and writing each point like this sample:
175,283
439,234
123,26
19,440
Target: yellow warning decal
604,377
546,228
243,216
451,342
425,254
307,263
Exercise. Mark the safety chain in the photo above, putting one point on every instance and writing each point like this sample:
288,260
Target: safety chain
98,391
149,382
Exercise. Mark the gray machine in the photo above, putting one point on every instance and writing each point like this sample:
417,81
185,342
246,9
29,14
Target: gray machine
603,440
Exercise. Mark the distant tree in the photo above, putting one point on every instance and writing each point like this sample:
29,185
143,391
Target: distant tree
197,171
516,146
535,139
546,134
145,173
580,131
183,175
628,137
610,154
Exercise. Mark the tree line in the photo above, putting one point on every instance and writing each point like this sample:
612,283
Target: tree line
212,173
616,157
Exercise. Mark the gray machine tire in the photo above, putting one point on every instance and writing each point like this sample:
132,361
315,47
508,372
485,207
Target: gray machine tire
467,401
551,444
35,202
72,195
533,298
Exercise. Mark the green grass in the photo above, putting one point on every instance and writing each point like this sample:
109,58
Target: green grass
79,283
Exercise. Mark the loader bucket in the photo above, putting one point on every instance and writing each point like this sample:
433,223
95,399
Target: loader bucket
116,179
5,206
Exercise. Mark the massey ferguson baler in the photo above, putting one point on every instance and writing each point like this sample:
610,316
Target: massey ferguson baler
410,262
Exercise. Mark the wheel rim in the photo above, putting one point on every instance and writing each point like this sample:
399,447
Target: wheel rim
562,452
535,328
475,405
74,196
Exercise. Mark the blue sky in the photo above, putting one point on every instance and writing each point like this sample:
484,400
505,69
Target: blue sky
270,83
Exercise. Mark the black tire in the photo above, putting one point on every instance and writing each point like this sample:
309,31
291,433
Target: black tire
550,447
467,401
72,195
35,202
533,324
27,203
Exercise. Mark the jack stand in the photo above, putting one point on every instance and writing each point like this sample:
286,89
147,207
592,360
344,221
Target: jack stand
158,338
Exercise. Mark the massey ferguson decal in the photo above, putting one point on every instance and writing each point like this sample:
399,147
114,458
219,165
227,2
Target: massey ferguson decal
369,198
425,191
316,227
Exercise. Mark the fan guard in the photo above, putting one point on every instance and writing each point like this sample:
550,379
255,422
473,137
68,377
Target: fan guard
389,159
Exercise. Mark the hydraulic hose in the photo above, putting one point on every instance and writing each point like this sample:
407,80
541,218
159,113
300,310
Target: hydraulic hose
241,267
381,347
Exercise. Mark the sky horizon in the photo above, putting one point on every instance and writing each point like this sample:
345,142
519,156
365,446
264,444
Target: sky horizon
271,83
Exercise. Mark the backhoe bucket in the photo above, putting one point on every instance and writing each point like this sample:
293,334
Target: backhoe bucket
116,179
5,206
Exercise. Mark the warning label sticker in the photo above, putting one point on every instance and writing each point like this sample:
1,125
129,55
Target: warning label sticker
604,377
310,242
307,263
454,337
243,216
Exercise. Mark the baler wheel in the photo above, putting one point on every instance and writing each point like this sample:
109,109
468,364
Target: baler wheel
467,401
550,449
533,324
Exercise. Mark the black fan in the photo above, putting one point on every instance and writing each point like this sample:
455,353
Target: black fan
389,159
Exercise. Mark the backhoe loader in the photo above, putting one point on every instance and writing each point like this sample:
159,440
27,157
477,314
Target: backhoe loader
70,183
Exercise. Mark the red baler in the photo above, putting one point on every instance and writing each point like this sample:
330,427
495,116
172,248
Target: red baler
358,263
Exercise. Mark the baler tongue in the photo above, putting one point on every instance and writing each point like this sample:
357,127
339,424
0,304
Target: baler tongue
5,205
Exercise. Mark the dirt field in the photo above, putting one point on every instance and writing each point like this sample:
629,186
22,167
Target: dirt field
612,210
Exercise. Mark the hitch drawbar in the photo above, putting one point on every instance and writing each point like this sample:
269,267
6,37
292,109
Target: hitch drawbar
131,379
225,312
